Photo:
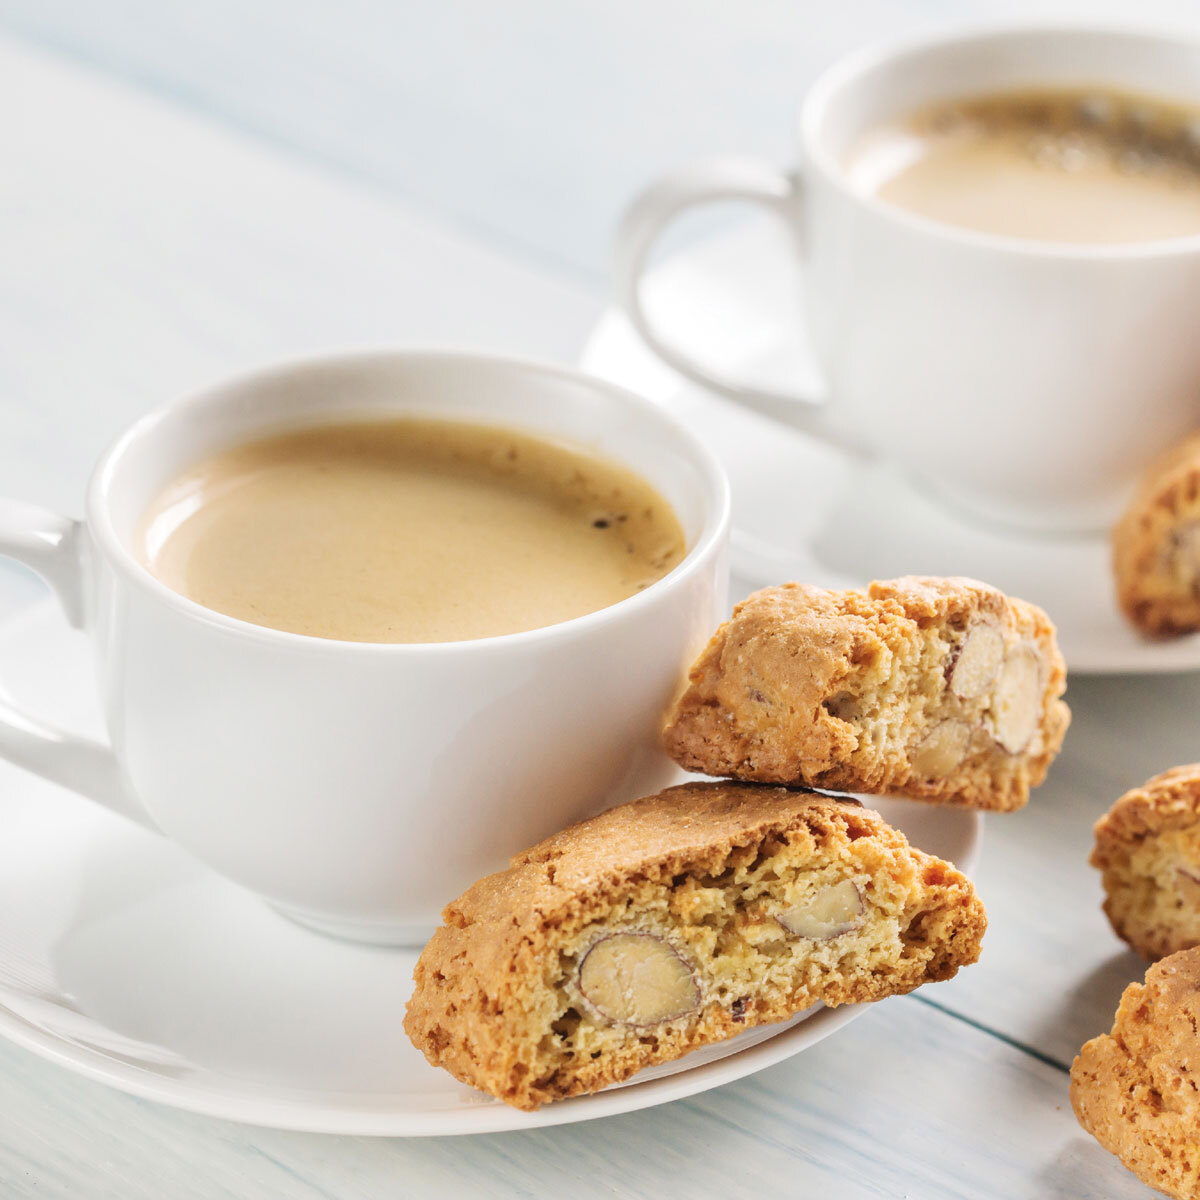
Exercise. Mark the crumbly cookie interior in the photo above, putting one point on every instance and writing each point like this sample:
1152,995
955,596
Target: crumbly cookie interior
1164,596
966,692
1179,562
674,922
1154,892
744,965
940,689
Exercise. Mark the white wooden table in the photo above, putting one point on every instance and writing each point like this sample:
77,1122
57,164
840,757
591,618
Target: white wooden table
186,189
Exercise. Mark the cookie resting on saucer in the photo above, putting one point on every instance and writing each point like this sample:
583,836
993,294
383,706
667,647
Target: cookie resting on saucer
940,689
1134,1090
1148,850
1156,546
674,922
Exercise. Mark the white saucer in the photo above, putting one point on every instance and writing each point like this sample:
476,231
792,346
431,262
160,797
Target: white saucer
124,960
802,511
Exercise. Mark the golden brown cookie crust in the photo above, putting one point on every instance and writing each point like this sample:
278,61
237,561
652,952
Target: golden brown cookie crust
1156,546
847,690
1135,1089
694,866
1148,852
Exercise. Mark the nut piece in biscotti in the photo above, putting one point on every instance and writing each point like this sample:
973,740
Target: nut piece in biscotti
1148,850
674,922
1134,1090
1156,546
940,689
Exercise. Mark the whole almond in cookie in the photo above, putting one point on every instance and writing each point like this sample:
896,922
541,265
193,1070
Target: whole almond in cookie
675,922
637,978
833,910
976,660
939,689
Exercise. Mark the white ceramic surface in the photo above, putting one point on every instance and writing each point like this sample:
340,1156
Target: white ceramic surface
802,510
358,787
1029,382
126,960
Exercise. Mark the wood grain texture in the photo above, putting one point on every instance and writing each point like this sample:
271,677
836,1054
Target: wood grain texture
146,253
911,1103
1052,969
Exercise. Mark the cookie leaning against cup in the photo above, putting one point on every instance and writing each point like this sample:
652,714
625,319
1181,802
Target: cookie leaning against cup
1148,851
673,922
940,689
1156,545
1134,1089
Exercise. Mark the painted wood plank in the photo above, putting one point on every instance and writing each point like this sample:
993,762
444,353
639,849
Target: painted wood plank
146,253
909,1102
1052,970
530,122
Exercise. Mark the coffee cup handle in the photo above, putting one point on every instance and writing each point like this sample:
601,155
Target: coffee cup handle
713,181
55,547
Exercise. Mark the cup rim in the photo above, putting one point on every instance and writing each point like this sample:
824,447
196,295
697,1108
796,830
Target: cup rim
845,71
104,476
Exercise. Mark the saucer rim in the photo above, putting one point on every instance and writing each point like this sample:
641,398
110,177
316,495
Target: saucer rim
489,1116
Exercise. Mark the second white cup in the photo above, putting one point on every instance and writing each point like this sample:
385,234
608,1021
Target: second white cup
1028,382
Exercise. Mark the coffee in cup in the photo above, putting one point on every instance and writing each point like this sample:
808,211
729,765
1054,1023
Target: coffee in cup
357,785
408,530
1081,165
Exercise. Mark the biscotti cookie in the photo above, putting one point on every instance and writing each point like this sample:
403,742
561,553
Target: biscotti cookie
940,689
674,922
1134,1090
1148,850
1156,546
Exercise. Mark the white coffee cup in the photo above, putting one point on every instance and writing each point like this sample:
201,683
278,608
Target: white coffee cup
358,787
1025,381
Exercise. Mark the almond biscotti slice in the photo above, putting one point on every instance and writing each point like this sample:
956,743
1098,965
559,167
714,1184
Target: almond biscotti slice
1134,1090
1156,545
939,689
674,922
1148,851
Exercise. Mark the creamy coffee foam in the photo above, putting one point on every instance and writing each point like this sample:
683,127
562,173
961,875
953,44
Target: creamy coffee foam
1080,165
408,531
